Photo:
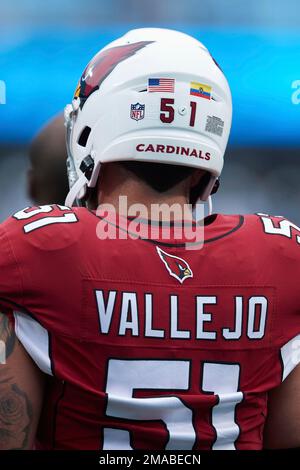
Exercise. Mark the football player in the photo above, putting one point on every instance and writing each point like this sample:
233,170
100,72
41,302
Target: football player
117,338
47,176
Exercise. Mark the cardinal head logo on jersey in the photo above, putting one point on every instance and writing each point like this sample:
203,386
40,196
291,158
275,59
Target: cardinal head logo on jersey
102,65
176,267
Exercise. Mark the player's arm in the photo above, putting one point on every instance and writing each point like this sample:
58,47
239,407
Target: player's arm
282,428
21,391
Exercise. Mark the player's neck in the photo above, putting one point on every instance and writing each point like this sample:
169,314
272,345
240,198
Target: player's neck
133,191
116,182
143,195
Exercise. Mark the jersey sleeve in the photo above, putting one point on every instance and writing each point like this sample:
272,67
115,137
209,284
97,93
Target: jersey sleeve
279,252
37,254
40,282
11,286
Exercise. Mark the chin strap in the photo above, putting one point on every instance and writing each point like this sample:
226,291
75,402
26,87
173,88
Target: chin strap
75,191
202,215
78,189
210,206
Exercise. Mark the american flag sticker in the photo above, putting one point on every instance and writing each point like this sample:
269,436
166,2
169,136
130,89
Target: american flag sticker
160,85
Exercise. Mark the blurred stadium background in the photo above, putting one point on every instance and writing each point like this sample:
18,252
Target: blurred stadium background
44,46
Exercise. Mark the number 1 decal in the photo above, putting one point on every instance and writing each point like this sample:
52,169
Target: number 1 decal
193,105
124,376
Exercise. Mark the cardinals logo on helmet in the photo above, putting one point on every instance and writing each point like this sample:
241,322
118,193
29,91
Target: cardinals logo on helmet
176,267
102,65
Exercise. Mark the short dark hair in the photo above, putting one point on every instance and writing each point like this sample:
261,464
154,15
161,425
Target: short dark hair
162,177
159,176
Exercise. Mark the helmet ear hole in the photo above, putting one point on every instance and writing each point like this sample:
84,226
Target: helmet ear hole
215,187
84,135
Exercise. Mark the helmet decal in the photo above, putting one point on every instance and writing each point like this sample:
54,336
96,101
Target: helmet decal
176,267
102,65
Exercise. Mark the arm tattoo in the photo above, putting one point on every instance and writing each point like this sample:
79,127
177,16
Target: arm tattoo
7,334
16,416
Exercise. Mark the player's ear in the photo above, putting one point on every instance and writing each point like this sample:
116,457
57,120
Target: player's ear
198,182
196,177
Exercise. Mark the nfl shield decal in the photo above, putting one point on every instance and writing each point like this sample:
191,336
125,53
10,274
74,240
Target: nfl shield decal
137,111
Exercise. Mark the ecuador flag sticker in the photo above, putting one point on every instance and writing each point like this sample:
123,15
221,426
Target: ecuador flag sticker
201,90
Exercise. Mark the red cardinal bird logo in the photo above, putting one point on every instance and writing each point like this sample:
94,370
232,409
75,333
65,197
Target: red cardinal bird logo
177,267
102,65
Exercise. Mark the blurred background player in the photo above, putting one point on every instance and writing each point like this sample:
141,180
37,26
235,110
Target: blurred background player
47,176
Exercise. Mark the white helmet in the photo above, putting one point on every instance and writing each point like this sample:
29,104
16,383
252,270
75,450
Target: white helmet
154,95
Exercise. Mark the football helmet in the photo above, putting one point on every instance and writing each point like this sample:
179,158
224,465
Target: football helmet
154,95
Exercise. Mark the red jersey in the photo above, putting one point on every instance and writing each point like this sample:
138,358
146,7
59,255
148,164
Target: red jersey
147,344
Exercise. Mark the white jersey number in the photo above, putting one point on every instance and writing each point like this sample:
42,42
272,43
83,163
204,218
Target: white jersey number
284,228
124,376
28,212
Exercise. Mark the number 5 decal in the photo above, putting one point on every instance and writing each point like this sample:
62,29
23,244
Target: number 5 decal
168,113
124,376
